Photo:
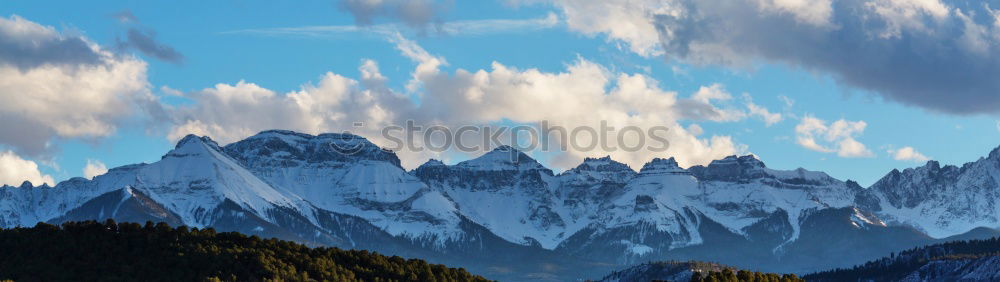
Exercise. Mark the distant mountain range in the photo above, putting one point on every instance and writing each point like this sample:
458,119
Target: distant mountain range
505,216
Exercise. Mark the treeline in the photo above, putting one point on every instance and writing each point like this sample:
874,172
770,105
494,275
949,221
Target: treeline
699,272
895,267
90,251
728,275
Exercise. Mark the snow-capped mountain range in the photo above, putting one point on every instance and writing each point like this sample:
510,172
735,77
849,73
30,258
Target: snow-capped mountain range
507,215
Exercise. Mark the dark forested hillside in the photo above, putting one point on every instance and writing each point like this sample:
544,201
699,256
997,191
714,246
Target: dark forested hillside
89,251
694,271
728,275
972,260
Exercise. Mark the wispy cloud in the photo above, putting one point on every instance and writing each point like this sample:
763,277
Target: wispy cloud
452,28
145,42
143,39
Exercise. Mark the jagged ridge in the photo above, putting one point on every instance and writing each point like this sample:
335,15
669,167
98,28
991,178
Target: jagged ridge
342,190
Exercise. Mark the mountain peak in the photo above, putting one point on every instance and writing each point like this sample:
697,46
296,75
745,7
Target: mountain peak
747,161
502,158
195,139
601,164
933,165
287,136
344,136
283,132
602,170
504,148
661,165
193,145
293,136
598,160
432,163
285,147
732,168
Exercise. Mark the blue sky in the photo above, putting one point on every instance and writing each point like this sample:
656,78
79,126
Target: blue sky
281,46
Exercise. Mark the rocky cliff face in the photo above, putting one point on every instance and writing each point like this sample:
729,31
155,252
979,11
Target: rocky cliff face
940,200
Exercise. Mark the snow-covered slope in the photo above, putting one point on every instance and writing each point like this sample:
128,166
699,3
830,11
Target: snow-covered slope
194,182
588,189
505,191
978,269
940,200
740,191
655,204
340,189
347,174
196,178
125,205
26,205
666,207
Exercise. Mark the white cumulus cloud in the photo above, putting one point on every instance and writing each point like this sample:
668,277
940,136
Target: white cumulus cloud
818,135
907,154
58,86
14,170
94,168
585,94
628,21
